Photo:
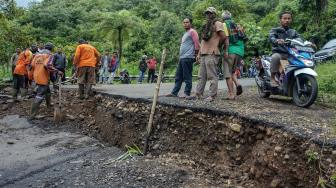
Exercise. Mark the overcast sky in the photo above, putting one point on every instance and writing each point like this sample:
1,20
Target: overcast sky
24,3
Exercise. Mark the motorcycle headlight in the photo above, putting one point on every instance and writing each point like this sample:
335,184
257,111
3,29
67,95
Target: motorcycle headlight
331,53
308,63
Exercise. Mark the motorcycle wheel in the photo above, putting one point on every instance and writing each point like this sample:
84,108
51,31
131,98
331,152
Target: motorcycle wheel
309,89
261,92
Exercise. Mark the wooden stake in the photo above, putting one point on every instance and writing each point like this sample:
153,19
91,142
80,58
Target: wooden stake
156,93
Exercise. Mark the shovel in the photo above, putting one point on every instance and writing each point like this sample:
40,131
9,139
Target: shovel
58,114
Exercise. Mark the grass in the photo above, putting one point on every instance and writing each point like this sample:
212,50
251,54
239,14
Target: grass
131,152
327,83
5,72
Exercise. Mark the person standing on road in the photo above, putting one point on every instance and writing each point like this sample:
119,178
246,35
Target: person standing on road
212,36
20,74
142,68
60,62
13,60
41,68
236,53
104,67
151,64
188,50
113,66
86,59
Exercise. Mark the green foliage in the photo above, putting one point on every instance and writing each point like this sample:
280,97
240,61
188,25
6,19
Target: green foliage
326,78
327,83
312,156
322,182
131,152
137,27
333,177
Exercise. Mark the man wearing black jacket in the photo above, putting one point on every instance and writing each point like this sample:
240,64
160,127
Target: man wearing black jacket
60,61
277,37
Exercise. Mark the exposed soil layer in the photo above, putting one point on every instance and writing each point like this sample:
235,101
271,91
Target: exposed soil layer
317,122
220,148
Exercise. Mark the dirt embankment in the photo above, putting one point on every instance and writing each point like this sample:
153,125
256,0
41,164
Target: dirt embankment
222,149
225,147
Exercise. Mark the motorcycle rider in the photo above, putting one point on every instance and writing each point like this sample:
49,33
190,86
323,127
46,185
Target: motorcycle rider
277,37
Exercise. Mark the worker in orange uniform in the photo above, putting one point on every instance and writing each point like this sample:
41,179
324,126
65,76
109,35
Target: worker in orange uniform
20,74
41,67
86,59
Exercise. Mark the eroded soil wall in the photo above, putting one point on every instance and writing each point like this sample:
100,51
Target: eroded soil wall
222,146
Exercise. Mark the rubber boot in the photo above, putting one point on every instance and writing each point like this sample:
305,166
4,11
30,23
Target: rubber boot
15,93
87,91
24,93
81,91
48,100
34,110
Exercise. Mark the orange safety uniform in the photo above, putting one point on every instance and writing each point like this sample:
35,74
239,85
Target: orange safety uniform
23,60
86,56
41,68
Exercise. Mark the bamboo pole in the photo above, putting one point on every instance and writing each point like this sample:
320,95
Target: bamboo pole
156,93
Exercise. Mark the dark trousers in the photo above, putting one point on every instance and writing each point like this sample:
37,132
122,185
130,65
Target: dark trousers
41,93
184,74
151,74
19,81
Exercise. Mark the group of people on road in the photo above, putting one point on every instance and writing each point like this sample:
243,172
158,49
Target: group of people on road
222,42
108,67
145,64
37,66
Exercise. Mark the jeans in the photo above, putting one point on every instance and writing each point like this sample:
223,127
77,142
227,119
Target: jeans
151,74
103,74
111,78
184,74
141,76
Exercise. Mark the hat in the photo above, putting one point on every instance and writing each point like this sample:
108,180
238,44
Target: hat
226,14
49,46
211,10
81,41
144,57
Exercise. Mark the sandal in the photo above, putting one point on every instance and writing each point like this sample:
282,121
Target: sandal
210,99
170,95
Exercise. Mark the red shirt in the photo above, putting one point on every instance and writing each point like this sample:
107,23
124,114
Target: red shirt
151,64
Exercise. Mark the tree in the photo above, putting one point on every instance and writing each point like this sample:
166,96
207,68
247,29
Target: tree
117,26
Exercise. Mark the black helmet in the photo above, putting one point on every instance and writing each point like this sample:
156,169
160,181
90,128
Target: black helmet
48,46
82,41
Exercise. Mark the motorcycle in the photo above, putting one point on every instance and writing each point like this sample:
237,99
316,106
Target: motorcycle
296,77
124,77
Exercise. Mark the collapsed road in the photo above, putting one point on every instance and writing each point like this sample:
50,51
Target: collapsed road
249,142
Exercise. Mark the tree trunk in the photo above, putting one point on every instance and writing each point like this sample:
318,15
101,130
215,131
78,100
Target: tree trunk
120,42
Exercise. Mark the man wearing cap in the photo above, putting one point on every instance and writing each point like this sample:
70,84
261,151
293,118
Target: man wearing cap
41,68
212,37
86,59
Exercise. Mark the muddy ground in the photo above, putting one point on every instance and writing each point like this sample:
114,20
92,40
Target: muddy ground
194,144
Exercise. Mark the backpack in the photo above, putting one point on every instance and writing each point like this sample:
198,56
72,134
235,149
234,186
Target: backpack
236,32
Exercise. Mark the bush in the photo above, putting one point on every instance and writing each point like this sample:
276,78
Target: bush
327,83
